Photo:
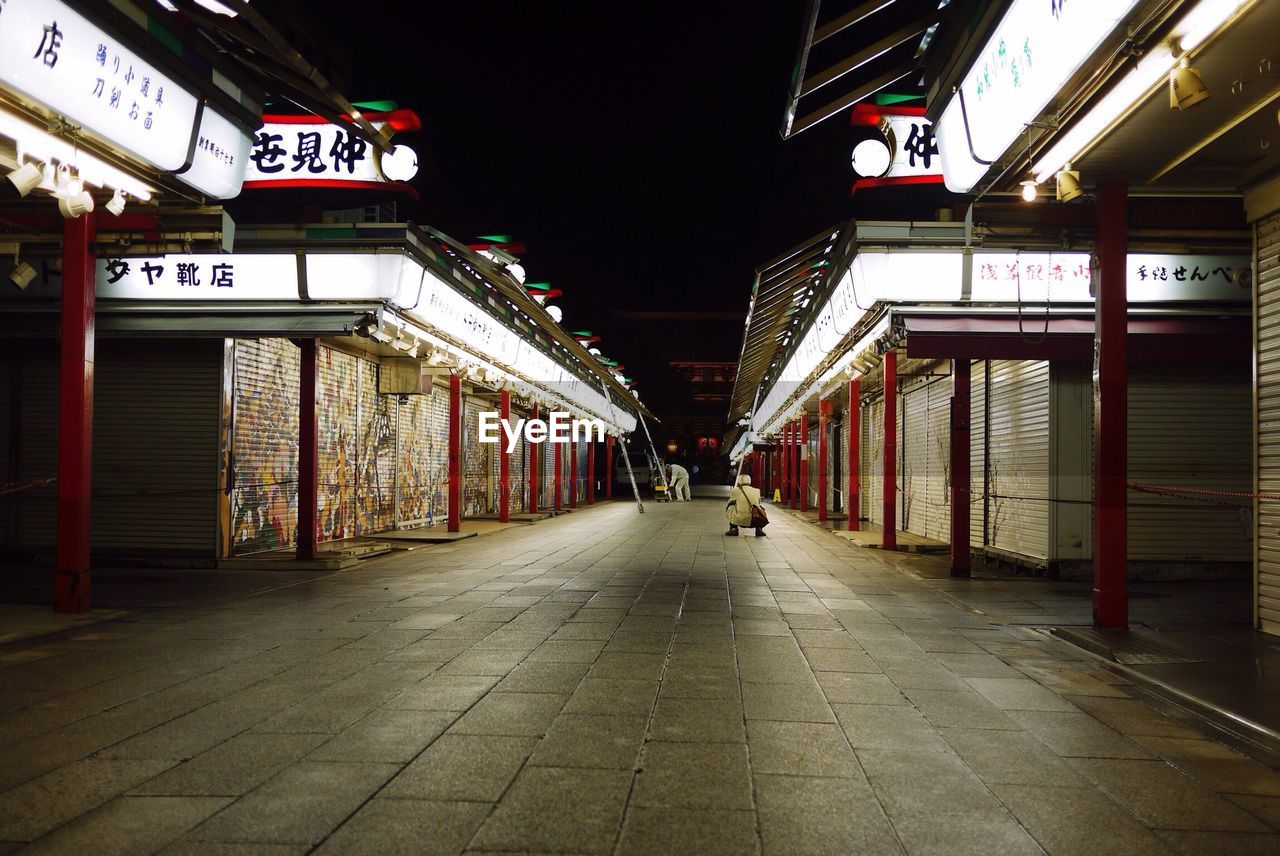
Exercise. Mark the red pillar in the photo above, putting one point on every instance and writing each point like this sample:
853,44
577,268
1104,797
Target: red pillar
591,470
960,400
784,458
890,450
535,483
793,466
608,463
455,453
1110,412
71,580
802,459
557,480
853,498
504,461
824,415
308,451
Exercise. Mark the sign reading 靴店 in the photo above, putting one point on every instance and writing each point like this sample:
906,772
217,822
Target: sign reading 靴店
52,54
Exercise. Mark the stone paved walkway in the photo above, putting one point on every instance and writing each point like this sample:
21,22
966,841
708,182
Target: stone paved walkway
603,682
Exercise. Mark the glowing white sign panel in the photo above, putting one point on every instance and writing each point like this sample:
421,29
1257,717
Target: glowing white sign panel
320,154
1033,51
59,58
221,154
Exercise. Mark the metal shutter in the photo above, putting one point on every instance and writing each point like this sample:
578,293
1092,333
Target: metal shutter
913,444
477,489
518,468
33,512
1189,428
337,422
1019,457
873,461
938,462
413,469
155,446
979,506
437,453
376,455
1267,348
265,446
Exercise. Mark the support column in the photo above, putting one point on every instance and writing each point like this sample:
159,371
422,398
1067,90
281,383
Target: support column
557,480
455,453
1110,412
757,469
824,420
608,464
802,458
960,404
890,498
308,451
504,461
532,452
784,457
591,470
853,502
71,580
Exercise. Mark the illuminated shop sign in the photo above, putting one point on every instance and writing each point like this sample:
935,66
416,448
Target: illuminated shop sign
221,155
307,151
1032,53
905,152
57,57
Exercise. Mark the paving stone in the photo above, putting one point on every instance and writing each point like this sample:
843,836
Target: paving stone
628,666
1014,758
511,714
1078,820
1133,718
693,776
463,767
859,688
613,697
1192,841
300,805
543,677
1077,735
1019,694
444,692
1161,796
234,767
971,834
410,827
32,809
668,830
925,784
960,710
873,726
790,702
698,720
579,740
386,735
821,816
553,809
800,749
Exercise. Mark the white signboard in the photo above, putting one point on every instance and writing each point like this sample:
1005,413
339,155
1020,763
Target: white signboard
1033,51
311,153
57,57
199,277
221,154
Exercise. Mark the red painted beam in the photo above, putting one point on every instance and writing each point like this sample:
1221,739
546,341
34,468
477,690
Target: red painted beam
960,407
72,580
853,499
455,453
308,451
890,468
1110,414
504,460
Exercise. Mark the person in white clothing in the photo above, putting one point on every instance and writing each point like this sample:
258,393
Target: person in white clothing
678,483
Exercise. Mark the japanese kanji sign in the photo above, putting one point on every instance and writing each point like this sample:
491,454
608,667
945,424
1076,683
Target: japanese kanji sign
912,145
199,277
309,152
57,57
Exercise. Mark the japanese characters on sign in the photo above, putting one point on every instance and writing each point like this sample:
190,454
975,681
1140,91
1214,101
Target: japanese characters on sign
319,153
198,277
912,154
56,56
1032,52
221,154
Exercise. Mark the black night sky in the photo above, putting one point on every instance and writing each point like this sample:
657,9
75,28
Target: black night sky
634,149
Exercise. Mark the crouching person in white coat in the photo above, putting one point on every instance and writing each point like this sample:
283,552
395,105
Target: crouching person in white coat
678,479
742,499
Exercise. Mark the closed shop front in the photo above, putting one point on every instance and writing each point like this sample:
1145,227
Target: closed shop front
479,470
1267,406
1017,503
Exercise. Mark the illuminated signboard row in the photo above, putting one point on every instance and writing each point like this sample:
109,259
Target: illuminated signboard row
997,277
417,293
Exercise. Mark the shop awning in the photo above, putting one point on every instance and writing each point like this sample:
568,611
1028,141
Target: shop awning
861,47
1180,339
785,289
196,321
